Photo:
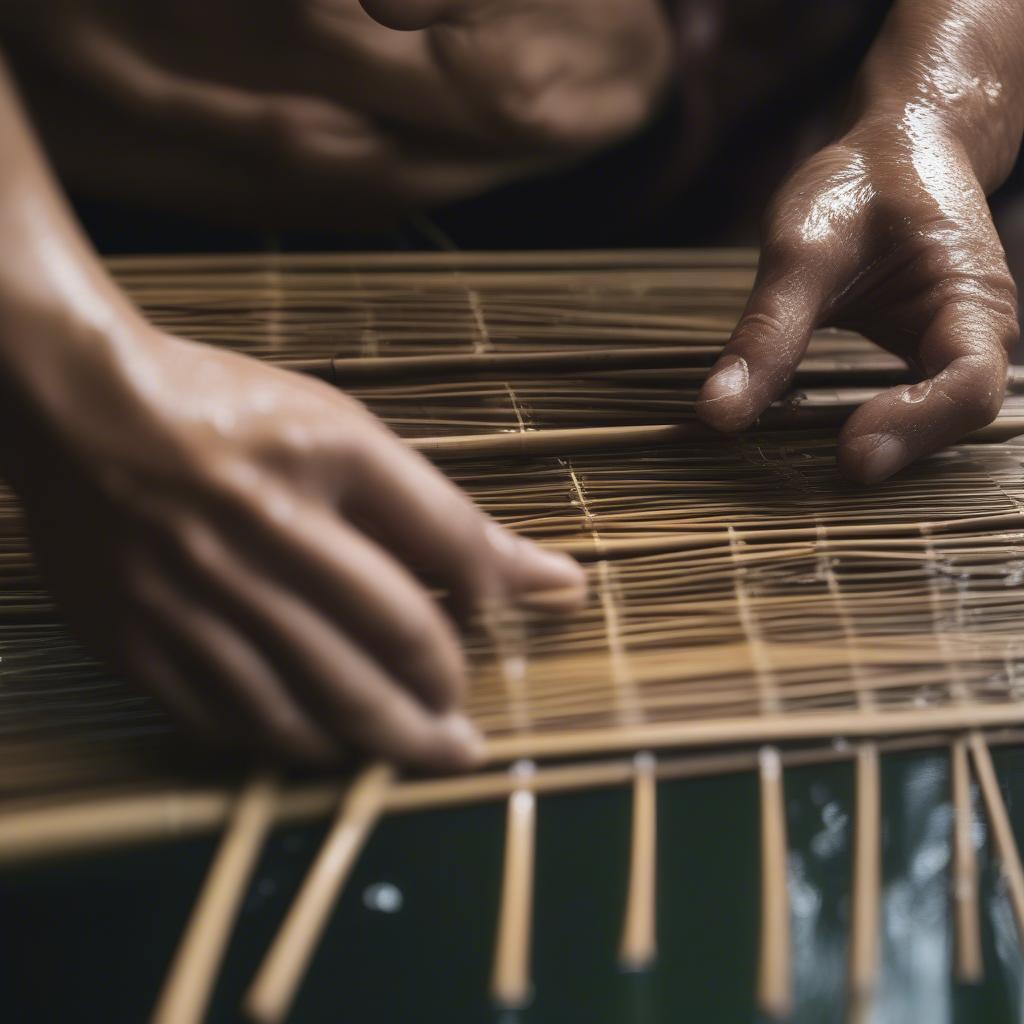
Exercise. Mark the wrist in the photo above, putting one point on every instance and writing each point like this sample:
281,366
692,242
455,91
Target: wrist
61,373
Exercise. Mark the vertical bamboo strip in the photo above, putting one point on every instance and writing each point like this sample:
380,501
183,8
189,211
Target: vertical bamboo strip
639,946
863,954
186,989
966,932
282,970
774,978
1003,841
510,980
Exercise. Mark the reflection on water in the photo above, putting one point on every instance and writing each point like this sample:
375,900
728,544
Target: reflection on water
916,938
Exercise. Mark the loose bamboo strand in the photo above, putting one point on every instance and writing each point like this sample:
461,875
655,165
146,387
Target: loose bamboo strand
966,931
185,993
638,947
1003,841
510,978
866,888
774,979
278,978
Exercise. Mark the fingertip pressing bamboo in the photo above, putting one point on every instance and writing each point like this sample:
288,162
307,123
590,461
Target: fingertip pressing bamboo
510,977
638,948
277,980
968,966
186,990
865,896
774,977
1003,841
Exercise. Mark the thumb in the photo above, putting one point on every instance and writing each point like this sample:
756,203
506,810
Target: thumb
759,361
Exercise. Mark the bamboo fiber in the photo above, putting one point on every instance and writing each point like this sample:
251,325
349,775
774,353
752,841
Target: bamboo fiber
741,595
845,590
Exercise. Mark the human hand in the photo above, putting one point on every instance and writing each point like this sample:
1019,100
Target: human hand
886,232
245,542
313,112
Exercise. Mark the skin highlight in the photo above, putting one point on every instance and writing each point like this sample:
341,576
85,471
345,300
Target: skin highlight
887,231
204,519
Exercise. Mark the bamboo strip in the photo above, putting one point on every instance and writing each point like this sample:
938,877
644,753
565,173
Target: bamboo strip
768,728
278,978
1003,841
638,947
510,979
966,931
187,987
95,824
575,440
774,978
866,889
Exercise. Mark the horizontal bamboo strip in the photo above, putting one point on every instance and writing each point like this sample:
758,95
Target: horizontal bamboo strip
90,824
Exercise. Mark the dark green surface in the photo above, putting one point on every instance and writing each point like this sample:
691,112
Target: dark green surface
88,940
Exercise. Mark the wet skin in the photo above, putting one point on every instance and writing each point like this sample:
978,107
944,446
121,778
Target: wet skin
246,543
887,231
243,541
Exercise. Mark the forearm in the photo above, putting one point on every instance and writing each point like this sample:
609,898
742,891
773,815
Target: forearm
954,67
62,319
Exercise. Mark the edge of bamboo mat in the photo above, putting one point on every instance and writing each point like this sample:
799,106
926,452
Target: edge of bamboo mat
55,829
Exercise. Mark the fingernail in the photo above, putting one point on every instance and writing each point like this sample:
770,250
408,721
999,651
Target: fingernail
728,382
880,455
464,735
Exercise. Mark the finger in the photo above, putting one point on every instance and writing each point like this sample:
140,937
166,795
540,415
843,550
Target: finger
342,687
414,510
759,361
143,660
965,349
348,692
351,581
217,659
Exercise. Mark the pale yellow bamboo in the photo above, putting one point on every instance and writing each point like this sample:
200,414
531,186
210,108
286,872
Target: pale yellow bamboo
1003,841
866,888
186,989
638,947
278,978
102,822
966,931
510,977
774,977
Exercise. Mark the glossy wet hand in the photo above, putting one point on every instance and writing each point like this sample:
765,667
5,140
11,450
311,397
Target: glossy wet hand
886,232
246,543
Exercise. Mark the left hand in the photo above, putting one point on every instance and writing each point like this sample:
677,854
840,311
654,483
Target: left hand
886,232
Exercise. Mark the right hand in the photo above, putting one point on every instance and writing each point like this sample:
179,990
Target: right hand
312,112
244,542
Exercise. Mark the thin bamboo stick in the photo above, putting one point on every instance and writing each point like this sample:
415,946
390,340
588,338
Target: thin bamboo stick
774,979
186,989
1003,841
866,889
98,823
768,728
574,440
966,931
638,947
278,978
510,978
